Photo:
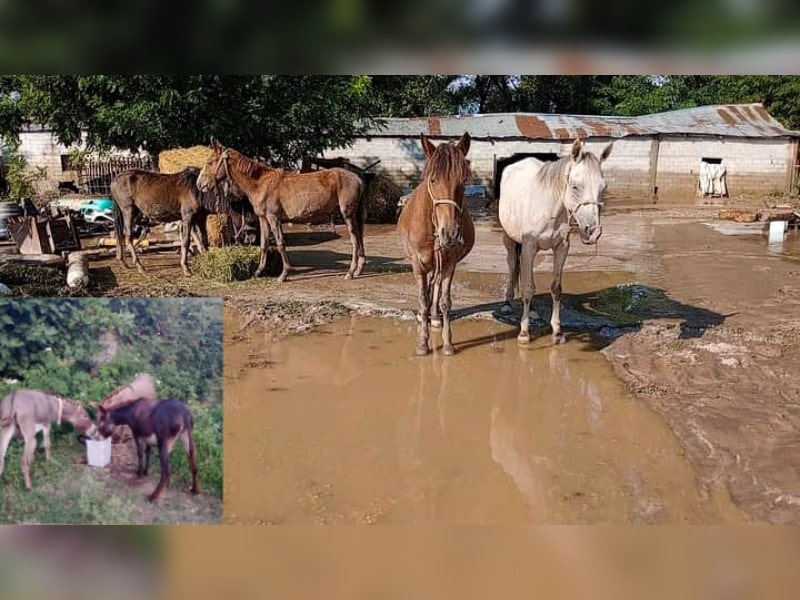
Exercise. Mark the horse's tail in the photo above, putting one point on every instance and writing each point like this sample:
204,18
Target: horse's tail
118,231
361,213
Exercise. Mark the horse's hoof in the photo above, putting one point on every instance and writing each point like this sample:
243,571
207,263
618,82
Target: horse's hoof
558,339
505,309
422,350
283,277
524,339
348,277
436,323
448,350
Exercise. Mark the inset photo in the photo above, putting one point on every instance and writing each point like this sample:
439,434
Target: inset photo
111,410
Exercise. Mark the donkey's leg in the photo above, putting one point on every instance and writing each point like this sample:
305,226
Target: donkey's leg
27,457
187,439
262,261
424,310
46,441
147,449
512,257
444,305
140,446
186,238
277,231
5,439
559,258
527,289
164,448
352,227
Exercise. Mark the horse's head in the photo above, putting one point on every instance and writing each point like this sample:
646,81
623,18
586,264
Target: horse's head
105,424
445,174
75,413
215,169
585,188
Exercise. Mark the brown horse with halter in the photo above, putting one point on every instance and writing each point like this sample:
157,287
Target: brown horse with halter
278,196
161,198
436,232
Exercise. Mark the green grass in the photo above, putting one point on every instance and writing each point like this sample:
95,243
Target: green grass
226,264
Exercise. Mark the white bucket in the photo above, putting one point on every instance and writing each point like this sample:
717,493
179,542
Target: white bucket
777,230
98,453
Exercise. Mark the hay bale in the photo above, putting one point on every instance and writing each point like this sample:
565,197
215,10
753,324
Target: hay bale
220,231
382,196
175,160
234,264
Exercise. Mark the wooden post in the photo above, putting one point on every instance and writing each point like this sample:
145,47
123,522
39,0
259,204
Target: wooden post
654,168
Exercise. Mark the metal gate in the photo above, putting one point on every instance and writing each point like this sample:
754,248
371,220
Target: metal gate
94,176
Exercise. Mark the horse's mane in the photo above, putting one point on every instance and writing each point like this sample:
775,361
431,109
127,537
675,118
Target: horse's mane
447,161
554,175
246,166
188,176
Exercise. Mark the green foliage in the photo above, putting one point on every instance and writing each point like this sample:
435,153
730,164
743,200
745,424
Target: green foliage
21,180
208,450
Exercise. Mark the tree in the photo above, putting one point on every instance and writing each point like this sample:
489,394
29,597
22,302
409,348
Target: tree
280,118
413,96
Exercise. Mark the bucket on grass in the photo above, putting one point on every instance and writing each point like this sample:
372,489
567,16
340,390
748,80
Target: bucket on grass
98,452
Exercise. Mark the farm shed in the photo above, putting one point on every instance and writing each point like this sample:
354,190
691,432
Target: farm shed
653,154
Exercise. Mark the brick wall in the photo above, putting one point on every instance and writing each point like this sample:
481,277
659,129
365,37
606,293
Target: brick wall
754,165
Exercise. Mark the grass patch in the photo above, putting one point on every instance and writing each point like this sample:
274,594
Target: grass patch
229,264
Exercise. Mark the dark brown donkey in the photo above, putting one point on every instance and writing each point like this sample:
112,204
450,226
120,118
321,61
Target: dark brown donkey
278,196
161,198
153,423
24,413
436,232
142,386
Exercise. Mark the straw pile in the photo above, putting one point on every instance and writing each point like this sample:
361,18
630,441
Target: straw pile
174,161
220,231
233,264
382,196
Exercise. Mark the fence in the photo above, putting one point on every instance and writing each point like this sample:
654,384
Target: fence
94,176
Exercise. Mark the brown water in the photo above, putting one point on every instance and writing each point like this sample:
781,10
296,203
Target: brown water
345,426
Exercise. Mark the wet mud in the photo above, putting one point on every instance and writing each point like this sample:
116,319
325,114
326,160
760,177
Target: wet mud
344,426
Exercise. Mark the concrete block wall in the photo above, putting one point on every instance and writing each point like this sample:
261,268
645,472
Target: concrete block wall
41,149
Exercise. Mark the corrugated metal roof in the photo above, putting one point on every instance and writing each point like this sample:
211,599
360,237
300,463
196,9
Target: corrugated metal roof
730,120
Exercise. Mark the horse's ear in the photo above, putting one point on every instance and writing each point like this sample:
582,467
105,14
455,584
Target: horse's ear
215,145
606,151
577,150
463,143
427,147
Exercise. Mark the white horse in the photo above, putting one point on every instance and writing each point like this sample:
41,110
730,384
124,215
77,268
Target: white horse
539,202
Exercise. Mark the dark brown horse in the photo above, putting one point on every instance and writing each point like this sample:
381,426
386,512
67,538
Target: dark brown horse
436,232
161,198
153,423
279,196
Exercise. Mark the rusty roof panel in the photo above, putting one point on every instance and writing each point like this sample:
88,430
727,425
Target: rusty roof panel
742,120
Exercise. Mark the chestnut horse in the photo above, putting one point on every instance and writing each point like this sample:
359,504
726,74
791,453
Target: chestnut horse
153,423
278,196
161,198
436,232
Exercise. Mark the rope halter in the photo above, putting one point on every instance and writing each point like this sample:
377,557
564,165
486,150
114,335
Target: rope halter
450,202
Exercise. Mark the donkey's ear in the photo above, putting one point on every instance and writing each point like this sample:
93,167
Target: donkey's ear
606,151
427,147
577,150
463,143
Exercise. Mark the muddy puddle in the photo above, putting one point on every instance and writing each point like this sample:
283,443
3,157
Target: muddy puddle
343,425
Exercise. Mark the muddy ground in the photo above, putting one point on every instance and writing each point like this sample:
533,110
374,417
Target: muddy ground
707,336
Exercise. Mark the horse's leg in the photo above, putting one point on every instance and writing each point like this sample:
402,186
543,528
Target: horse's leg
262,260
164,448
5,439
512,257
277,231
559,258
187,439
186,239
424,310
444,305
129,217
436,293
361,258
46,441
27,457
526,288
352,228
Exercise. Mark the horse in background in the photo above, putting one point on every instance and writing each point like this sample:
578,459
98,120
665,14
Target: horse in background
277,196
161,198
24,413
539,203
436,232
